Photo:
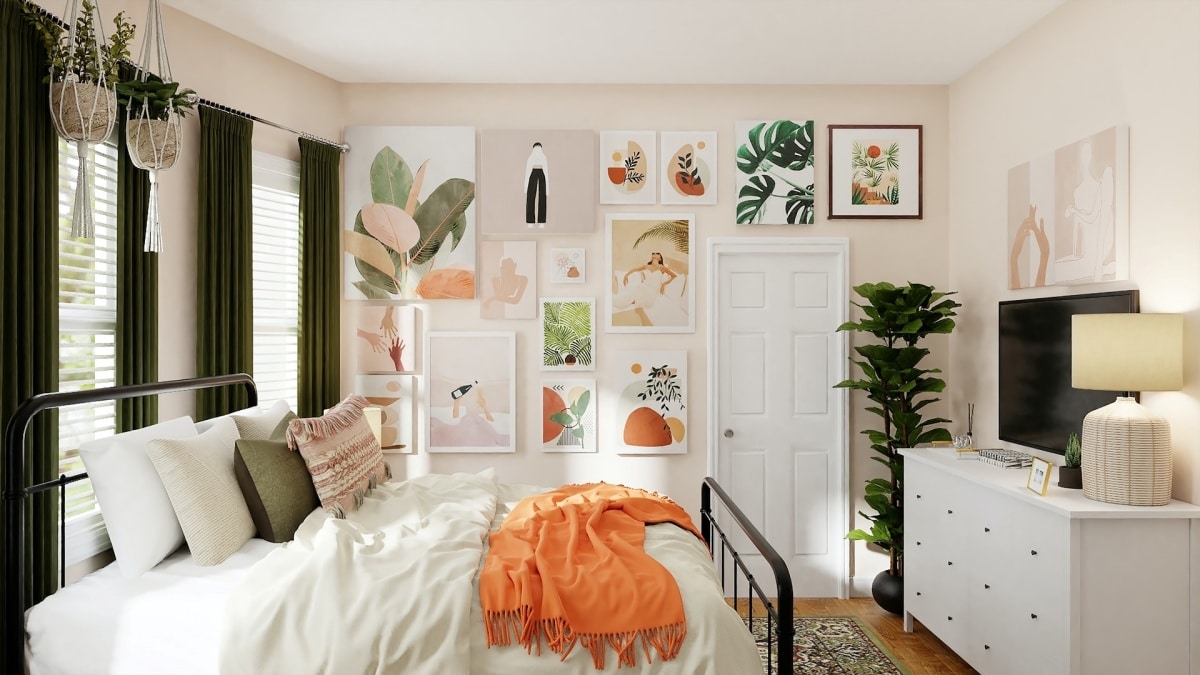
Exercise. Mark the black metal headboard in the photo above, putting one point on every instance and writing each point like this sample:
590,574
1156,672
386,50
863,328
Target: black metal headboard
16,492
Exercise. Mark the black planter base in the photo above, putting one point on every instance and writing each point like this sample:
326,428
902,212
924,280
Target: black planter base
1070,478
888,592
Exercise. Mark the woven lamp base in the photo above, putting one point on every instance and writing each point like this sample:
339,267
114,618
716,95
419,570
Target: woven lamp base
1126,455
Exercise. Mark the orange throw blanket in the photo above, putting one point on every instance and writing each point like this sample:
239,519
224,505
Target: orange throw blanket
568,567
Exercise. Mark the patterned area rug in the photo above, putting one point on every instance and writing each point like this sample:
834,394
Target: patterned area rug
833,644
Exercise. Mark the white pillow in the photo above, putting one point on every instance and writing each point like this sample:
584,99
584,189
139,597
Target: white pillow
137,512
255,424
199,477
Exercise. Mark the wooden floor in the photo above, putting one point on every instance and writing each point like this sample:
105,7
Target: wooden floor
920,651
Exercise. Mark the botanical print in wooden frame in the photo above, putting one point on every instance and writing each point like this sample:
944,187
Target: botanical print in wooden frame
410,213
1068,214
652,401
472,392
537,182
875,171
688,167
393,394
775,177
386,338
568,415
568,265
568,334
649,262
508,279
627,167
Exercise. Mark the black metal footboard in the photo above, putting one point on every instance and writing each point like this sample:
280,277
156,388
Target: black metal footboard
16,492
778,614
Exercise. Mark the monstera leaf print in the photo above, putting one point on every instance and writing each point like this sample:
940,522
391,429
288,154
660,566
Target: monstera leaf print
774,154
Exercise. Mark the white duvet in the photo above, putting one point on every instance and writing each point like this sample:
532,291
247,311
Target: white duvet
391,589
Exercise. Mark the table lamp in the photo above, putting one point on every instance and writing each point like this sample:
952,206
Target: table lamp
1126,448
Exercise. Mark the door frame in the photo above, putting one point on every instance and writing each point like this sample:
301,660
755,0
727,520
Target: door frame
839,519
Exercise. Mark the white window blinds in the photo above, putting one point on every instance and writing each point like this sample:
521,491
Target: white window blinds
87,315
276,197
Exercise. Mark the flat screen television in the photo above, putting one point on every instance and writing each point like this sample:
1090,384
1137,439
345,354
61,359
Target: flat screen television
1038,406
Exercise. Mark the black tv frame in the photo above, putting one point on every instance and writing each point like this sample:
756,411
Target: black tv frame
1051,397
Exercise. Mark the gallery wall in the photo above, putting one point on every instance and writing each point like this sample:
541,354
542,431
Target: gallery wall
239,74
897,251
1086,67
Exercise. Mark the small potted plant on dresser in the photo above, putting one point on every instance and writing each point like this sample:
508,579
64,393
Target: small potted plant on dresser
1070,475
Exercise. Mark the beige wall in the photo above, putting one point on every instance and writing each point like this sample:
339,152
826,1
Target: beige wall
241,75
897,251
1088,66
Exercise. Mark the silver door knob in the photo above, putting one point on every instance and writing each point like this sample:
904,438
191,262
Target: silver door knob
729,433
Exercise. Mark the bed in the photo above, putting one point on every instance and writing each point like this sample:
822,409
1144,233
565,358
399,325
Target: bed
426,617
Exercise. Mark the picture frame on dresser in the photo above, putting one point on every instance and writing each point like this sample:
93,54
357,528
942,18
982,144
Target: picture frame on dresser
1039,476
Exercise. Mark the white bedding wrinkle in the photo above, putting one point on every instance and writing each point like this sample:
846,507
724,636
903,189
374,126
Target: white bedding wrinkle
388,589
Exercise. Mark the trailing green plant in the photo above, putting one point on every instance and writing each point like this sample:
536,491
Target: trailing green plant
775,153
85,58
157,96
899,389
1072,456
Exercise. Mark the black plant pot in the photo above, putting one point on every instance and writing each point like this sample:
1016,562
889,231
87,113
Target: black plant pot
888,592
1070,478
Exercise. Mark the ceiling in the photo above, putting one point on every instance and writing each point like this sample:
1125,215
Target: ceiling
628,41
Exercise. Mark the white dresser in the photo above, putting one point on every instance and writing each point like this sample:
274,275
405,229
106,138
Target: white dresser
1018,583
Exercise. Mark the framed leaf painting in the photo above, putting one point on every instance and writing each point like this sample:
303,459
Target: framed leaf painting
652,401
568,415
775,174
875,171
627,167
689,167
568,334
410,213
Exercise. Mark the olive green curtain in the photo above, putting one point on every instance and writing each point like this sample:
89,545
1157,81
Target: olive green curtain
319,347
29,280
224,261
137,286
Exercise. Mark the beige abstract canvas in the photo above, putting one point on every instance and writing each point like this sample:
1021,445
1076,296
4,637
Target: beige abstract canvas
508,280
537,182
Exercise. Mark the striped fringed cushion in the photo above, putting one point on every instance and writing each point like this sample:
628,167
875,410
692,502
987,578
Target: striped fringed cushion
341,453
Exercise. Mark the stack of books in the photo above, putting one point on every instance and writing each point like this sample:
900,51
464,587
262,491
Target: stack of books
1007,459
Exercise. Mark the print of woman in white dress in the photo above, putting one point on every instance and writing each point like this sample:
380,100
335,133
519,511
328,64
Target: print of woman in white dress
647,291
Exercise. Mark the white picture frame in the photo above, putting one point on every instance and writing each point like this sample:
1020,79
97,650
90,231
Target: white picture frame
471,394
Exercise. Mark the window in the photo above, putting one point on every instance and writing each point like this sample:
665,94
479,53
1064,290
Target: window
87,315
276,197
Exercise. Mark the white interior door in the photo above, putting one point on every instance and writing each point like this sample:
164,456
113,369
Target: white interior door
777,426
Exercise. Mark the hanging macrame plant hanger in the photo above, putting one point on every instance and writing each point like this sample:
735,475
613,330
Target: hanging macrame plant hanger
153,130
84,109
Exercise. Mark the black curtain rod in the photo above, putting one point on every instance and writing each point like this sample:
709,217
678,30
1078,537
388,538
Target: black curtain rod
344,147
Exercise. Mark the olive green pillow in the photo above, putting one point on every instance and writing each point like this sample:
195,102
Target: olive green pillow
275,483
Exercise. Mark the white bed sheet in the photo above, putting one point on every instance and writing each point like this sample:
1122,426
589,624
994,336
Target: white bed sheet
165,621
108,624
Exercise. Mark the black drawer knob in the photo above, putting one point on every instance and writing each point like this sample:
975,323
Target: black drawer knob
918,496
951,511
986,586
987,529
1032,552
918,592
949,562
986,647
949,618
1033,616
918,543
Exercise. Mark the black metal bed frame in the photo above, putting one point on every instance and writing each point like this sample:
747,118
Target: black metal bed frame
16,492
780,631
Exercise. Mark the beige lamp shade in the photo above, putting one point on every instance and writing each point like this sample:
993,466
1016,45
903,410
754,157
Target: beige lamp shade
1126,448
1127,352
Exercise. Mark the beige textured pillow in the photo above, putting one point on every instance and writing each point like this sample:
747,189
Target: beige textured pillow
199,478
256,424
341,453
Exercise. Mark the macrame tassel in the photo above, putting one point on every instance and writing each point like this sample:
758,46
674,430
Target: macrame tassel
83,223
153,230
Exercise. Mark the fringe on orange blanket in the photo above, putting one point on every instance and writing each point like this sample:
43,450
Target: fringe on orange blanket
560,573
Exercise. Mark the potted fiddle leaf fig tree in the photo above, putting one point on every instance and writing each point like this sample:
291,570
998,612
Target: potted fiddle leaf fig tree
899,389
